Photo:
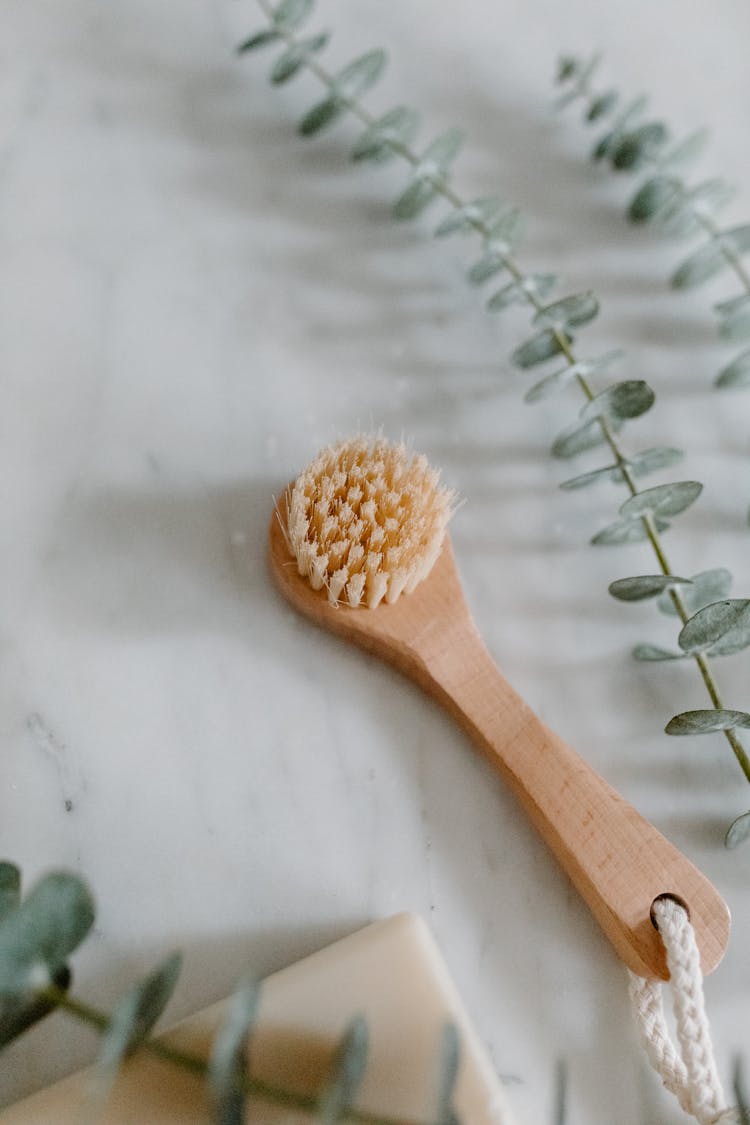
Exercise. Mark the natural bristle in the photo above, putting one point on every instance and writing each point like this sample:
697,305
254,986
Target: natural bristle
366,519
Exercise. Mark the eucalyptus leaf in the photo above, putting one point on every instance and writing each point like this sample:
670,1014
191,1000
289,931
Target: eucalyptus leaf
444,149
37,937
644,586
625,531
635,148
583,480
734,318
462,220
567,68
259,39
736,373
650,460
580,437
359,75
705,587
712,257
663,500
706,722
492,262
581,368
719,629
653,653
507,230
135,1014
515,292
653,198
628,399
413,201
396,127
569,312
601,105
685,150
10,887
348,1071
19,1013
291,13
228,1065
291,61
737,833
539,348
322,115
609,142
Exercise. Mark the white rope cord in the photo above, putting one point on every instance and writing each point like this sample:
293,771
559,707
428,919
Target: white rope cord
688,1072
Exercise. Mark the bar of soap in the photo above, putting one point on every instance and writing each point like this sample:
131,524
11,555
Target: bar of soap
391,972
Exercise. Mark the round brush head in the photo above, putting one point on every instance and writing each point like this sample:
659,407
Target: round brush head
366,520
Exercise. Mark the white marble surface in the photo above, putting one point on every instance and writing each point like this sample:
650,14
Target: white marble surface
193,300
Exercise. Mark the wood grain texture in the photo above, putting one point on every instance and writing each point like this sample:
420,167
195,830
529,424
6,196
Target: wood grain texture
616,859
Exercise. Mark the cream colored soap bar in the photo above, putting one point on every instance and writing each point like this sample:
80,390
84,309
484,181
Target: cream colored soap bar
391,972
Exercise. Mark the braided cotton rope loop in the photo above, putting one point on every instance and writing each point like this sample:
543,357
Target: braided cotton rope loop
688,1072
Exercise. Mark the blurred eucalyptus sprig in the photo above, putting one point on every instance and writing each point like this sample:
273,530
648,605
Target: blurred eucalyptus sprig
40,932
711,624
633,142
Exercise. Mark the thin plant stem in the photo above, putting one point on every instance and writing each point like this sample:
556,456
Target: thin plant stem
515,271
195,1064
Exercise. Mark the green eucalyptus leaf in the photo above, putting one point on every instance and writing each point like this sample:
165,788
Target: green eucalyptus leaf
19,1013
712,257
462,220
580,437
359,75
736,373
291,13
442,151
539,348
609,142
719,629
653,198
292,60
644,586
515,292
706,722
628,399
583,480
507,230
567,68
650,460
487,266
685,150
449,1060
37,937
396,127
663,500
653,653
706,587
734,318
636,147
412,202
321,115
737,833
348,1071
559,379
625,531
10,887
259,39
601,105
569,312
136,1012
228,1065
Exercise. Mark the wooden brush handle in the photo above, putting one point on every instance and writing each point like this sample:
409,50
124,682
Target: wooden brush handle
618,862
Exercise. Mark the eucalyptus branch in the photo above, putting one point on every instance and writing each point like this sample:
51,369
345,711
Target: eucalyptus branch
38,934
667,200
709,627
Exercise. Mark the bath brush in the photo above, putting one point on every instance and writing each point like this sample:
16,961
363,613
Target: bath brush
359,545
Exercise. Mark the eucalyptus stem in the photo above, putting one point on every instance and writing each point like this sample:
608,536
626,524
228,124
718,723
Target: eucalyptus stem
483,229
197,1065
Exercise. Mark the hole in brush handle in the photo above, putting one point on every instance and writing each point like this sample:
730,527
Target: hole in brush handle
672,897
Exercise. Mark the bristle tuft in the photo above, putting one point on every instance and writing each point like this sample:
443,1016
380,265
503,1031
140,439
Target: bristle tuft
367,519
